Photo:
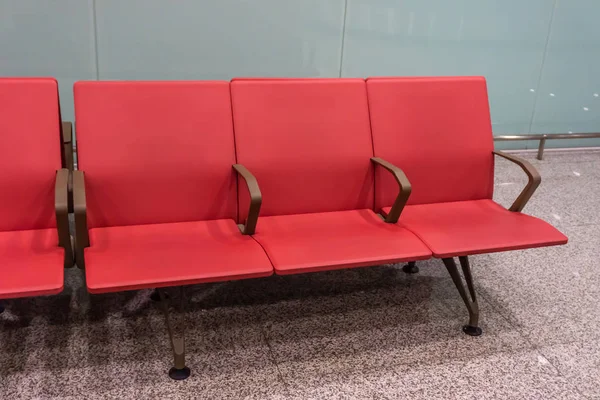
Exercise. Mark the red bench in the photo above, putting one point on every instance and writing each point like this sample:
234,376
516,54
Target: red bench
438,130
35,245
158,202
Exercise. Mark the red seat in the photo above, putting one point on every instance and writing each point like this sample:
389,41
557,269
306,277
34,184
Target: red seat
31,263
32,192
438,131
340,239
308,142
160,189
130,257
477,226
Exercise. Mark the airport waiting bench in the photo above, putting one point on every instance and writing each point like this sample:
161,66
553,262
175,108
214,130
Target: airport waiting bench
182,183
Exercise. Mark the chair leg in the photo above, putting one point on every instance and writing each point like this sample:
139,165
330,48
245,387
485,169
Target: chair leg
411,267
472,328
1,307
155,296
179,371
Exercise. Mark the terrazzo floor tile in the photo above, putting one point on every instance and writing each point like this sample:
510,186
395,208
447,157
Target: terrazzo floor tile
345,385
510,375
568,156
578,362
508,172
506,375
332,341
551,294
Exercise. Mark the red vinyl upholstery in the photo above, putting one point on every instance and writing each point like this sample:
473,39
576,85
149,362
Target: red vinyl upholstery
340,239
438,131
31,263
169,144
479,226
308,143
29,153
132,257
160,189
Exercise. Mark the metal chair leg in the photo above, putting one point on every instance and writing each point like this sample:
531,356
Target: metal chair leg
472,328
179,371
155,296
411,267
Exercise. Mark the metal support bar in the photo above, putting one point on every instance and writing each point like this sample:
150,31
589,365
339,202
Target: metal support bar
179,371
540,155
472,328
543,137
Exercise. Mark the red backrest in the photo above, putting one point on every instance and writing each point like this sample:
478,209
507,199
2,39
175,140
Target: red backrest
29,152
155,152
307,141
438,131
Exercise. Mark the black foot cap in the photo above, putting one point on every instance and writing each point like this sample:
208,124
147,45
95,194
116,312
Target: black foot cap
156,297
410,269
179,374
472,330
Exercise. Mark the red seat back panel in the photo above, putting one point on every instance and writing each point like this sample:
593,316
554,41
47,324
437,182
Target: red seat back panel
155,152
307,141
438,131
29,152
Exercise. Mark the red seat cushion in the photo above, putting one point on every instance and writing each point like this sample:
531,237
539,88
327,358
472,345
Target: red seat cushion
31,263
473,227
148,256
333,240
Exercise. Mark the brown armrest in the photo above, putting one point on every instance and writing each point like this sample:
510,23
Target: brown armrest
534,180
82,239
255,199
61,209
403,194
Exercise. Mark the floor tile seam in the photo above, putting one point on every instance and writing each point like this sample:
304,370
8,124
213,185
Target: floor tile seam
273,360
559,373
507,319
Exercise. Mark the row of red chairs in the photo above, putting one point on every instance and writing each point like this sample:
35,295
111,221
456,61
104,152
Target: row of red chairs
181,183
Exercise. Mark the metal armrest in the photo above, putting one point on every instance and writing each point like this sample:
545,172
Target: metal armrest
82,239
534,180
61,209
403,194
255,199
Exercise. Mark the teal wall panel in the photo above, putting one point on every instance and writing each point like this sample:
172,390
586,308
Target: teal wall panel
48,38
192,39
539,56
503,40
568,98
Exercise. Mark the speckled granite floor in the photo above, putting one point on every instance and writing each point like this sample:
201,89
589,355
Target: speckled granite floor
372,333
